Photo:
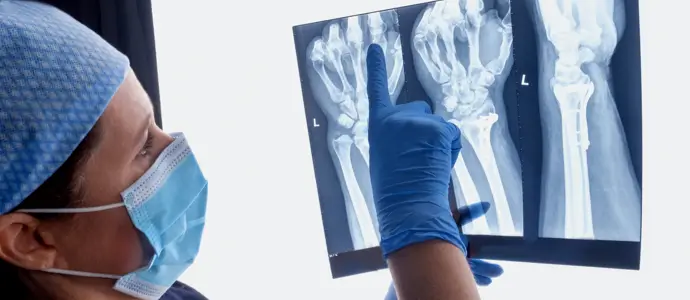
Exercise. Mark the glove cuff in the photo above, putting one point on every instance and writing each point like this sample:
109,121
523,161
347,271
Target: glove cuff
415,227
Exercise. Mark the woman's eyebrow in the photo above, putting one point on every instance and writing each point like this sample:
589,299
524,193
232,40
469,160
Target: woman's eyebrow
142,132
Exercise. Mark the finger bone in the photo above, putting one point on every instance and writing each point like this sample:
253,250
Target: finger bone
338,48
319,57
377,30
397,56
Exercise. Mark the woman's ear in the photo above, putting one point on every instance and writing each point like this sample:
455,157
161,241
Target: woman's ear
22,243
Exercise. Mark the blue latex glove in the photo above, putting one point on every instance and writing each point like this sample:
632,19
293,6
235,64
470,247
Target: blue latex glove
483,271
411,154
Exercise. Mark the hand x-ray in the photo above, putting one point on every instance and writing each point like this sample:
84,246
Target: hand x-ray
551,125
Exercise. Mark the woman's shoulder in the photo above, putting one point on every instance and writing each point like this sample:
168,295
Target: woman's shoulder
181,291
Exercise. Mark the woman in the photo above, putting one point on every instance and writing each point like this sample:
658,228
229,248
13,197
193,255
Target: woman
71,108
97,202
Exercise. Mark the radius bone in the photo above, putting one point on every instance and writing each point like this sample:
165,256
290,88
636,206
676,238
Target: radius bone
477,131
342,146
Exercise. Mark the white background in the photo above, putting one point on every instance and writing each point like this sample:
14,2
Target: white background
229,79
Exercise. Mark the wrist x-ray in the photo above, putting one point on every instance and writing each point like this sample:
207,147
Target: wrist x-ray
546,94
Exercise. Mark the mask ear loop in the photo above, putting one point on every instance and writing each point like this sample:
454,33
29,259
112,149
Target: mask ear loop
81,274
70,210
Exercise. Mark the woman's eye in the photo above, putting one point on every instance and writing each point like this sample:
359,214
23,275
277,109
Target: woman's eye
145,151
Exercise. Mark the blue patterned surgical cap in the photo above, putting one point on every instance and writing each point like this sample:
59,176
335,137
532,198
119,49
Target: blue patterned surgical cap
56,79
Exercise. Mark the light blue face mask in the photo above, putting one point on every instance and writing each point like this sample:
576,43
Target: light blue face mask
168,205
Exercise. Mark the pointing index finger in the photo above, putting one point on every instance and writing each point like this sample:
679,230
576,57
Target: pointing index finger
377,81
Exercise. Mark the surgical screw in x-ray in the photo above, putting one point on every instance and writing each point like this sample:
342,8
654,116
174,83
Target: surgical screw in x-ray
586,161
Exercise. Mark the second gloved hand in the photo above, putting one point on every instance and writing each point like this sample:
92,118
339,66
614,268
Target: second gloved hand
483,271
411,152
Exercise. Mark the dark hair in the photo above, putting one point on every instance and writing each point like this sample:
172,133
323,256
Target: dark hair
61,190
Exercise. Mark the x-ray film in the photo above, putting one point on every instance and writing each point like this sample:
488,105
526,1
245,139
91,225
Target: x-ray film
547,97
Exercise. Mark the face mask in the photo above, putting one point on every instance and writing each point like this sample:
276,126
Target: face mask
168,205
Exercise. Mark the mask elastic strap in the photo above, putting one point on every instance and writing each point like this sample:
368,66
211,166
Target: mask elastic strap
70,210
81,274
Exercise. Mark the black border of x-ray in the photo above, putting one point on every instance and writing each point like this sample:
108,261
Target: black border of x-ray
530,247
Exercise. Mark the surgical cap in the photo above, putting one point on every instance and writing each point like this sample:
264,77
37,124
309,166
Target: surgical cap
56,79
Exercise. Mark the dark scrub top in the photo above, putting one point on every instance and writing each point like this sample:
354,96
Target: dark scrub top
181,291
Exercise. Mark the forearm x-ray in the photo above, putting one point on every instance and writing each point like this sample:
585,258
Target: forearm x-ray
462,56
336,68
589,189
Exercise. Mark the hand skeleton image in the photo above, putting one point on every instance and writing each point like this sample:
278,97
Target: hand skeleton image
336,68
589,189
462,51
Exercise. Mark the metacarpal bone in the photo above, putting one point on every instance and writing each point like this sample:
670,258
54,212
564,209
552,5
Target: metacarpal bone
473,9
588,29
342,146
338,48
318,57
473,44
355,40
554,19
497,65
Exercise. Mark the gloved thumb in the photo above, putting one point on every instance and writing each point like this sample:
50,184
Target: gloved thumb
377,81
472,212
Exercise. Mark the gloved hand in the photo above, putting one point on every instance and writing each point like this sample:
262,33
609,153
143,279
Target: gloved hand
483,271
411,155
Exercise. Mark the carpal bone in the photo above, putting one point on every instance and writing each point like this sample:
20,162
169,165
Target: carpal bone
473,44
568,73
342,146
348,107
345,121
